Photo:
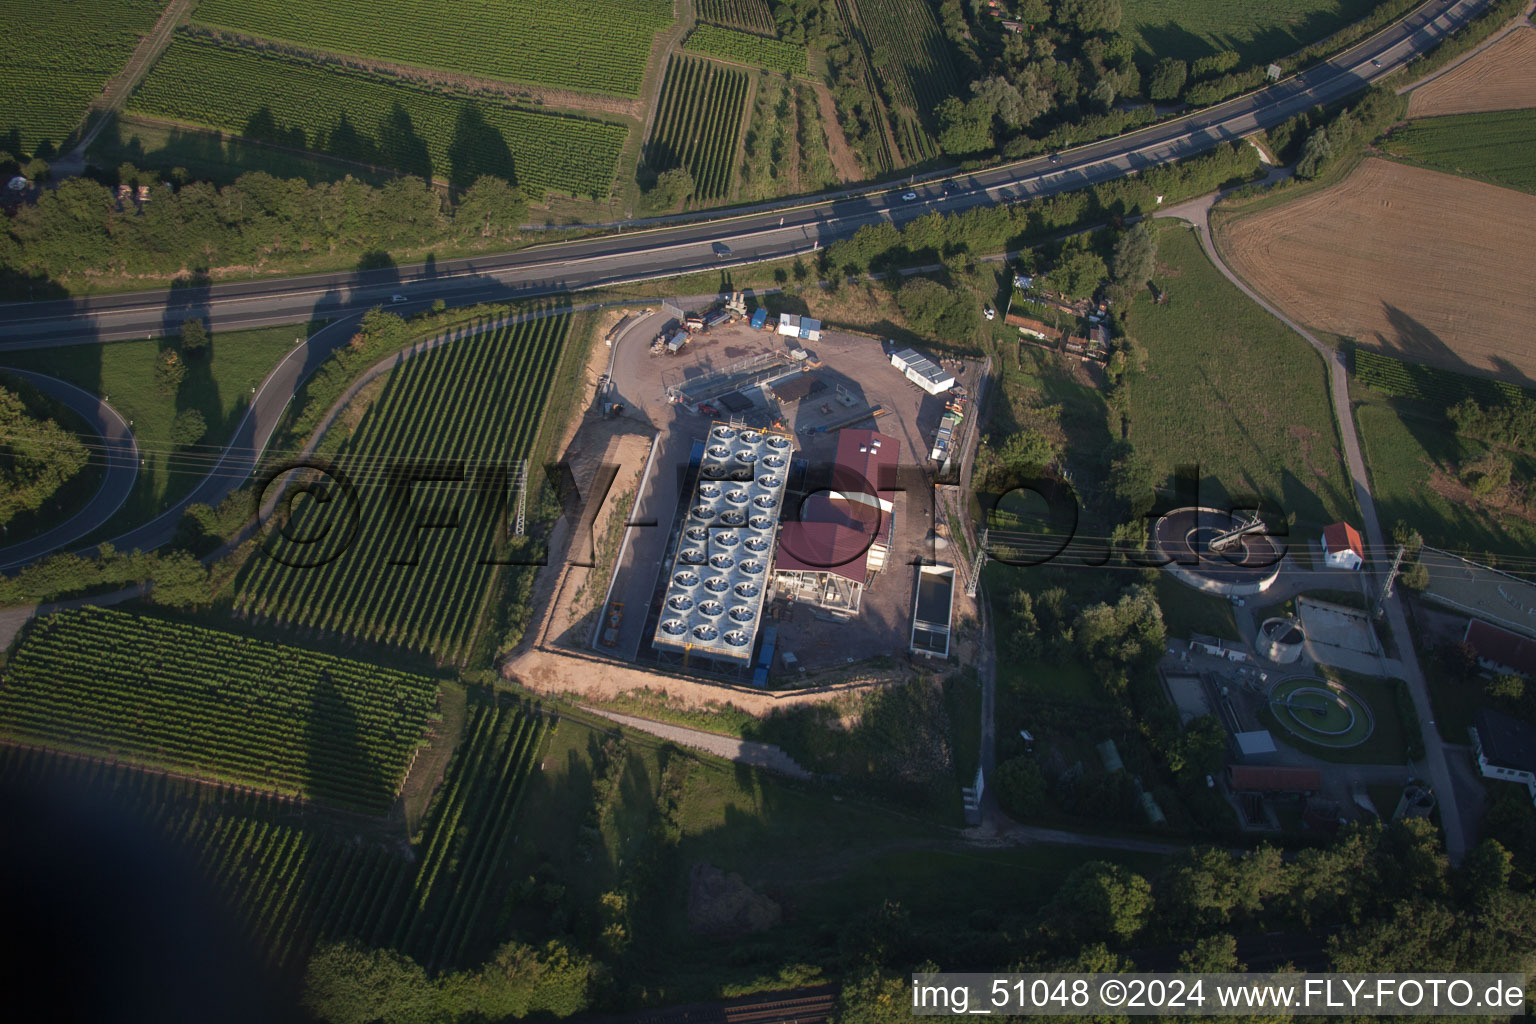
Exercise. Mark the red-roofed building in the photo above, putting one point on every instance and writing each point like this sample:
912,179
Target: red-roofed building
1342,548
831,547
1252,778
1500,650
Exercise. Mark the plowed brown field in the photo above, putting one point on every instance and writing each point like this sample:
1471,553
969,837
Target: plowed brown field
1502,77
1427,266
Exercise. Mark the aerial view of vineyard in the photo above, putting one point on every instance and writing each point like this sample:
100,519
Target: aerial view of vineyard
755,16
744,48
698,123
58,58
465,414
595,45
291,101
220,705
915,69
297,882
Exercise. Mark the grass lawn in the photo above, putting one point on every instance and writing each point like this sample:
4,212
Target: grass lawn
1259,32
962,699
1494,147
1455,700
217,385
1404,452
1186,611
826,861
1229,388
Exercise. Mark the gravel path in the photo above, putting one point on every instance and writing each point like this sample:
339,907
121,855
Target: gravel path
760,755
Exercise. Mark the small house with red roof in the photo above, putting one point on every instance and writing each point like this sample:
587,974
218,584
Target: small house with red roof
1342,548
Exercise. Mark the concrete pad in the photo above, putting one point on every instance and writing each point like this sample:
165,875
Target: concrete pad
1189,697
1335,625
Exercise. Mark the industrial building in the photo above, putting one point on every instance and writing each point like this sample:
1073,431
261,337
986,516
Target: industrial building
792,325
714,596
831,551
922,371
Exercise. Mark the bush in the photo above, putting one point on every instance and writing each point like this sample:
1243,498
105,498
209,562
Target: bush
1020,786
188,428
1168,79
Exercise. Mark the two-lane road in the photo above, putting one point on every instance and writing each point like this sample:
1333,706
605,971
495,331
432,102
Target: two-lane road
784,230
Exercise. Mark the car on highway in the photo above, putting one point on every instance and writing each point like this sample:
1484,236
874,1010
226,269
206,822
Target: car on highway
722,250
1375,62
907,197
397,297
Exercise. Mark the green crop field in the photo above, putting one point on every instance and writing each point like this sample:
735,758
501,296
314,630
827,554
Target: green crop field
460,881
748,15
464,415
1441,388
296,883
1232,389
915,69
288,100
1196,28
593,45
220,705
744,48
698,122
59,57
1494,147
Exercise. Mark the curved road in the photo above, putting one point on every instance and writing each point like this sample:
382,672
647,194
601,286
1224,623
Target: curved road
745,238
122,469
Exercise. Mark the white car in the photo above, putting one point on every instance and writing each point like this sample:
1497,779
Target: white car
397,298
907,197
989,312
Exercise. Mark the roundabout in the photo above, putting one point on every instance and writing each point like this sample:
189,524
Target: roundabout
1322,712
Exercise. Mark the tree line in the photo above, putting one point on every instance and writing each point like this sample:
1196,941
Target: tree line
79,229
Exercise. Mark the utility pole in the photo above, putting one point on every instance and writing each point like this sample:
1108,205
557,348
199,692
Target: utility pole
1386,587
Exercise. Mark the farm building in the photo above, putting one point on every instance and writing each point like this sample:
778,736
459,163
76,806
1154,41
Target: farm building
841,539
1506,749
1034,328
1342,548
933,610
1500,650
792,325
922,371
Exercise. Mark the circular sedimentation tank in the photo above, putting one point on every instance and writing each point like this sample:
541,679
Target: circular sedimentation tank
1183,538
1321,711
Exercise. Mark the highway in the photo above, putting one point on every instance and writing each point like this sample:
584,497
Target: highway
767,233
